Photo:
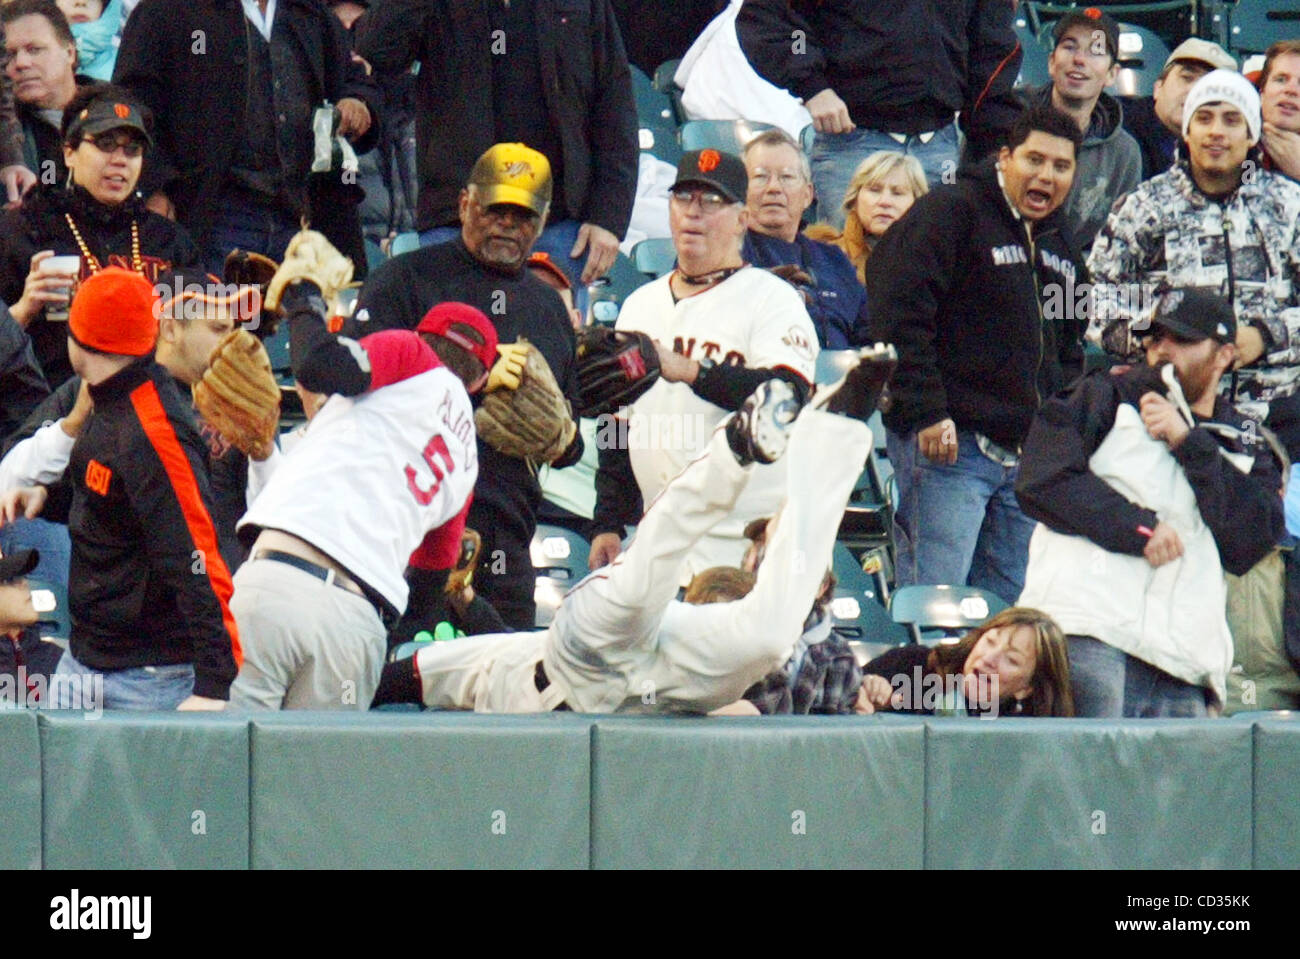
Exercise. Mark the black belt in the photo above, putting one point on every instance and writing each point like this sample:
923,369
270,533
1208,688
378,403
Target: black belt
543,683
387,615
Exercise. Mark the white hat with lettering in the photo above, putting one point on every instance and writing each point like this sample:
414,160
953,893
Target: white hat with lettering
1224,86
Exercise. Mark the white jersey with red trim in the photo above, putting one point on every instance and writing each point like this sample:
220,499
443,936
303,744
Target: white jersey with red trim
752,319
376,472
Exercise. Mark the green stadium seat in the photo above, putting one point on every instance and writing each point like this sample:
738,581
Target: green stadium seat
404,243
135,790
656,119
559,556
664,82
728,136
613,289
655,257
1255,25
943,612
20,789
1088,794
52,607
856,610
427,790
1034,54
777,792
1142,56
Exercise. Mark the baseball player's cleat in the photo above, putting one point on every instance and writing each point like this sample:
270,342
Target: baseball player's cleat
759,430
858,393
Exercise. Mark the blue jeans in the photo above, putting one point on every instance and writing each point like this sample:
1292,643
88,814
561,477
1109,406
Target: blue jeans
143,687
836,155
1108,683
556,241
247,224
49,539
958,525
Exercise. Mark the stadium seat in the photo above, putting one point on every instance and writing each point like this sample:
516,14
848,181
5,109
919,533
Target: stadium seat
404,243
560,557
1255,25
374,254
1142,55
868,517
655,257
856,611
833,364
51,602
1033,62
664,82
610,291
729,136
943,613
656,119
277,348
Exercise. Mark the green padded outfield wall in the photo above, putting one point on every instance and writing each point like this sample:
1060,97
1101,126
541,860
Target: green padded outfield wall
1087,793
776,792
20,790
1277,793
429,790
145,791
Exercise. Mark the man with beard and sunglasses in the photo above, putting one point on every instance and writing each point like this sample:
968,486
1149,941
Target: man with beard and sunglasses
1148,486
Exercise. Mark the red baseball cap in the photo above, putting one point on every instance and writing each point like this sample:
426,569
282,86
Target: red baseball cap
459,322
114,311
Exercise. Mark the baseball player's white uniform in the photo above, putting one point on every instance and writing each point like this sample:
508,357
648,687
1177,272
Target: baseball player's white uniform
753,319
369,479
621,642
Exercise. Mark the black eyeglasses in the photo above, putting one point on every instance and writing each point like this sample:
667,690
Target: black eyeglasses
109,143
710,202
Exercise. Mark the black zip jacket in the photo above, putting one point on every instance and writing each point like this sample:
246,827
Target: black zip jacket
901,66
188,61
586,85
22,386
973,307
41,224
399,293
147,585
1056,486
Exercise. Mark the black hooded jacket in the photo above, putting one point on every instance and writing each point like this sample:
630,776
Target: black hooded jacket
984,318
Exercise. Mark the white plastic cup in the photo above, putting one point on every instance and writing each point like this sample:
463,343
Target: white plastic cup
61,266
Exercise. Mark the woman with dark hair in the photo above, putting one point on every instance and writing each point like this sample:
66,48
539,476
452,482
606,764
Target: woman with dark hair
97,216
1015,664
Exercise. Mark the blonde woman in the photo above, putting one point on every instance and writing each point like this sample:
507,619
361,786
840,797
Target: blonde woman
883,188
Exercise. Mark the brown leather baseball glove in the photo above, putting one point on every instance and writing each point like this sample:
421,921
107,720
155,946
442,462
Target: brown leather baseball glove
530,421
462,574
238,395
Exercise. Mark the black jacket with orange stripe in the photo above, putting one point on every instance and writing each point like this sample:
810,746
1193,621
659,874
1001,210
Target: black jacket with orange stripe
147,585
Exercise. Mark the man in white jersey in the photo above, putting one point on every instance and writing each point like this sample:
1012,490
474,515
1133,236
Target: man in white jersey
390,457
722,327
620,641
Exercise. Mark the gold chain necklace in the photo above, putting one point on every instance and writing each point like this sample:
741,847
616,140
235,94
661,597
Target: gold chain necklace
137,263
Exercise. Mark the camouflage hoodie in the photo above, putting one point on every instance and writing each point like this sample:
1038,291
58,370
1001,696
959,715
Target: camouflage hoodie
1246,244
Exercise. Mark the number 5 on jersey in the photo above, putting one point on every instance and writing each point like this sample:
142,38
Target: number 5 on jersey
437,445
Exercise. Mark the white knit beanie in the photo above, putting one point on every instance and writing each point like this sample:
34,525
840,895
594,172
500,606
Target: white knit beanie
1224,86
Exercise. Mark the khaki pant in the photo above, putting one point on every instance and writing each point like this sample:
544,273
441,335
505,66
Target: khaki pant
307,644
1261,676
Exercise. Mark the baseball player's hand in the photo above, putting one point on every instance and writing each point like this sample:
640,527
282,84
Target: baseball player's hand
1283,148
1164,546
17,180
938,443
1250,346
674,367
604,550
603,247
40,290
161,204
829,113
874,693
354,118
507,372
76,418
22,502
194,704
1162,420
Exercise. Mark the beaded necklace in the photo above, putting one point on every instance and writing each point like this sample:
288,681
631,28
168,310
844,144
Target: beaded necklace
137,262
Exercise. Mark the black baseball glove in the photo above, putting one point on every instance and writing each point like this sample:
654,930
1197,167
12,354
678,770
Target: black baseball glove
614,368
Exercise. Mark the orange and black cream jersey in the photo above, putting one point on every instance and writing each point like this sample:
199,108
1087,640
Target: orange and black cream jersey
147,585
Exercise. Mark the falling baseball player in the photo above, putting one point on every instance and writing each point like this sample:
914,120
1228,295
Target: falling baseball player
620,641
389,457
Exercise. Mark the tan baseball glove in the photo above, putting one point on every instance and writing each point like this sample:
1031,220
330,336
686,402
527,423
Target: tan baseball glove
238,395
310,256
530,421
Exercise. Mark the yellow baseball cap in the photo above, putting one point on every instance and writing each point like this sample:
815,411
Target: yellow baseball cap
513,173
